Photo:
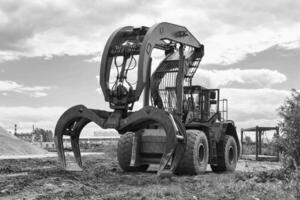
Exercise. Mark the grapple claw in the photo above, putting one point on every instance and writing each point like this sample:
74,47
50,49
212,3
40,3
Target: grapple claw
75,119
71,124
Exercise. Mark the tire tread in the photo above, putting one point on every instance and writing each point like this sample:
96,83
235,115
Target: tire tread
124,151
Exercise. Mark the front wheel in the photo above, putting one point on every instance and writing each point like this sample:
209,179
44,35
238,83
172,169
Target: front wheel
124,152
229,156
195,158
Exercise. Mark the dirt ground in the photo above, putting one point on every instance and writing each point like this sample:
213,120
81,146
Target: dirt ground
103,179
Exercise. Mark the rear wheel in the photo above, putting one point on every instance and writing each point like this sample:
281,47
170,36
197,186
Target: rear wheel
228,160
124,152
195,158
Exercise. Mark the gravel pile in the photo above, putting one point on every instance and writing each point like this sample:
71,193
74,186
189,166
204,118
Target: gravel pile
11,145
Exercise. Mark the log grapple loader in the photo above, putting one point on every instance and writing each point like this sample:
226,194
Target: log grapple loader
181,126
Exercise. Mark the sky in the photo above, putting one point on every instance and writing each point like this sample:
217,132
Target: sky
50,53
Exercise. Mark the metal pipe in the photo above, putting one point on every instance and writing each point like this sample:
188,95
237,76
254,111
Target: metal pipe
256,143
147,86
179,82
242,140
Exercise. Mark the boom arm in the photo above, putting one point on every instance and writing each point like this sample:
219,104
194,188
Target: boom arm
127,42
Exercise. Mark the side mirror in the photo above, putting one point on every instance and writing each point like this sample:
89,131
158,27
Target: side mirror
213,95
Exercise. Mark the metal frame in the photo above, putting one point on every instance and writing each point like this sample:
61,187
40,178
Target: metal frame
258,150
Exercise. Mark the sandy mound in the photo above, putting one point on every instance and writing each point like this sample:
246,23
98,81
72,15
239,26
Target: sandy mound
11,145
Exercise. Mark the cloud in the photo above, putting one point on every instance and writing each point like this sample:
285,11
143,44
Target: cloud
11,86
25,117
275,12
245,77
38,94
99,90
48,28
94,59
251,107
232,46
34,28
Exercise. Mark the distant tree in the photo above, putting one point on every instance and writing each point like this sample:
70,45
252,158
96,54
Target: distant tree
36,137
42,135
289,141
248,140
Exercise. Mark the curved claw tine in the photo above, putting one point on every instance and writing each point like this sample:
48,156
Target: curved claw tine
67,163
71,165
165,160
76,150
60,149
75,145
181,145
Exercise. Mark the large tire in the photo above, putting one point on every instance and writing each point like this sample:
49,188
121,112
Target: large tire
195,158
124,152
229,156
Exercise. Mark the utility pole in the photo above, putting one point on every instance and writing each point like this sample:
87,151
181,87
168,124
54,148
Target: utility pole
32,134
15,133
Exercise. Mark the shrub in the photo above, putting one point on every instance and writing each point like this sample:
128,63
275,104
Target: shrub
289,141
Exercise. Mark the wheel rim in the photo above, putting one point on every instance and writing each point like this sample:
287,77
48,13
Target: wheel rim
201,153
231,155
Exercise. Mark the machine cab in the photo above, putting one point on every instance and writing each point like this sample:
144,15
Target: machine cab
201,104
